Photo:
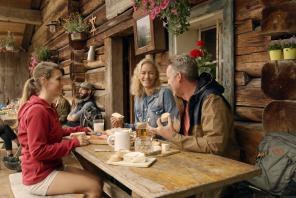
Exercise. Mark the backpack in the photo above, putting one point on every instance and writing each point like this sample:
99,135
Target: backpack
89,115
277,160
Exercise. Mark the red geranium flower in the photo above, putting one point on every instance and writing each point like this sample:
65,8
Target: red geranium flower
195,53
200,43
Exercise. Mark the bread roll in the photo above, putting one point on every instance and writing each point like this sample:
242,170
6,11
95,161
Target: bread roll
117,115
164,117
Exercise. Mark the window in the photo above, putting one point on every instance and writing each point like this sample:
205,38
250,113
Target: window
207,28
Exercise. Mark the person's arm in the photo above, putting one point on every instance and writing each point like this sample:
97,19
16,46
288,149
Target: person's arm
170,106
216,124
37,132
69,130
75,116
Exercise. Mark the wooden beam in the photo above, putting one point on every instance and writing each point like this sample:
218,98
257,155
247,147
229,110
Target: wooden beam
20,15
29,29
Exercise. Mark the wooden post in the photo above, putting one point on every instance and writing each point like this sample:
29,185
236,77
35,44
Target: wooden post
114,77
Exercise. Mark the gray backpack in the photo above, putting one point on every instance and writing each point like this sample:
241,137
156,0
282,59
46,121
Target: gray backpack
277,160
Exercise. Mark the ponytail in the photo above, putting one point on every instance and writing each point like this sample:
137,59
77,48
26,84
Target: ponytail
28,91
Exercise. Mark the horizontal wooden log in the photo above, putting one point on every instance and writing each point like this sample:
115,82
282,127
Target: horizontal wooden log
96,77
19,15
250,50
251,58
66,69
251,39
90,6
65,53
241,78
279,116
100,50
279,80
279,19
100,14
100,57
94,64
252,69
244,26
250,114
249,136
97,40
251,96
59,42
67,82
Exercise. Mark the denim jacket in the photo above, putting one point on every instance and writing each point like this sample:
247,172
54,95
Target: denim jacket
149,108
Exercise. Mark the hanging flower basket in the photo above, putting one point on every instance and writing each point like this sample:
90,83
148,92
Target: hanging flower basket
174,13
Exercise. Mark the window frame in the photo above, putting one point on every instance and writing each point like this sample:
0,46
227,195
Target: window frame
226,72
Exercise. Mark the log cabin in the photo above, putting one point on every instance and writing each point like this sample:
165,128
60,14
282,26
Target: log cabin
236,32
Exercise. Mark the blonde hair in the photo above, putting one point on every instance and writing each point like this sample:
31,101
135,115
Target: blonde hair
33,85
137,88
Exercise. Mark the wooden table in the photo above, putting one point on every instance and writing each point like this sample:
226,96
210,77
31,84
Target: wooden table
177,175
9,119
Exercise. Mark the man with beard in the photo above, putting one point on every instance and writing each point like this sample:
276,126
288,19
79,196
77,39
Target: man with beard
86,100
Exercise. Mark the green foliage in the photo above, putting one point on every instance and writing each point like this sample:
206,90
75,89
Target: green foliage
290,45
274,46
2,43
75,23
42,53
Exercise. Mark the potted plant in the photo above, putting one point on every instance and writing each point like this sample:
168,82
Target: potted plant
275,51
289,49
203,59
9,42
42,53
76,27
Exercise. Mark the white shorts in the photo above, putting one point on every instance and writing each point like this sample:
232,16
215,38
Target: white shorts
42,187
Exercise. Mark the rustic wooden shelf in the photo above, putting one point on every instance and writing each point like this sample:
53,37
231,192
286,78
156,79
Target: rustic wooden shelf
279,80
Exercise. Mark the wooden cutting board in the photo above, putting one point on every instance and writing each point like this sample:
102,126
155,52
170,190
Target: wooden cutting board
149,162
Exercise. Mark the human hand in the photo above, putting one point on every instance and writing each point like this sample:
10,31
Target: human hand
116,122
167,131
83,141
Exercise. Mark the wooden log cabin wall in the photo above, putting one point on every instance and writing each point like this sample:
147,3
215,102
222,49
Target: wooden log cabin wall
115,60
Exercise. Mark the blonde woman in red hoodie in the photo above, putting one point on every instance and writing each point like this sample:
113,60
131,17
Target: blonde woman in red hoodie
40,135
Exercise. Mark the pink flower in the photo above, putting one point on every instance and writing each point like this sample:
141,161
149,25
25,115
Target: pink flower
195,53
152,14
152,4
174,11
164,4
200,43
156,10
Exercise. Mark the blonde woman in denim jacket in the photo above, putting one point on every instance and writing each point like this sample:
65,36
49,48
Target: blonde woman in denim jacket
151,99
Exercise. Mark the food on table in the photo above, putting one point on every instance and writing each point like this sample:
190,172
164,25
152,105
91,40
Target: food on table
76,134
117,115
164,117
134,157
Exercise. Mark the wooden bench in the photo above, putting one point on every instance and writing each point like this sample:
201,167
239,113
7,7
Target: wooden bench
19,191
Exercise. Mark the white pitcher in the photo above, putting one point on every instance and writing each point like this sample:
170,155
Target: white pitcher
120,140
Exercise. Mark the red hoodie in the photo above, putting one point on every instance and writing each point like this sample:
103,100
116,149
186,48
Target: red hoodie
40,135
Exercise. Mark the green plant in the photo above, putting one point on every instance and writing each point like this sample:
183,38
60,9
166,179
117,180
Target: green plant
289,45
203,59
75,24
9,40
274,46
173,13
42,53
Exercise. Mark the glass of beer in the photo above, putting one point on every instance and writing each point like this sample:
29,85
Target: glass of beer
141,129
